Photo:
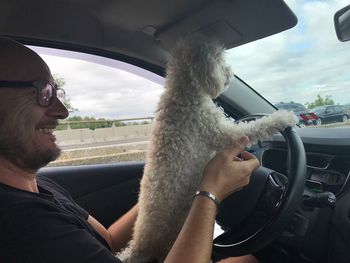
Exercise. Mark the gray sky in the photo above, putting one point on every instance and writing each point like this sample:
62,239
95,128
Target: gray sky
106,91
295,65
299,63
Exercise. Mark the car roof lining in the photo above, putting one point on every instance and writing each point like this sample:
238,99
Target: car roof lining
139,32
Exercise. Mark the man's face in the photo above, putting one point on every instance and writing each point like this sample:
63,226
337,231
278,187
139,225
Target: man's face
26,137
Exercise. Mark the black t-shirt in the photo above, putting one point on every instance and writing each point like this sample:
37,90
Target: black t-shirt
47,227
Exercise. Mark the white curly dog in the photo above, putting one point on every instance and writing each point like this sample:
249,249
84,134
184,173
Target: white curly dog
189,129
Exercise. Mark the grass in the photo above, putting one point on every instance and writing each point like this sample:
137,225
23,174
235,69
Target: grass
106,154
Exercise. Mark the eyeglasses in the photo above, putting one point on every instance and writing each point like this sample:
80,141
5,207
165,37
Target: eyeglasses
45,90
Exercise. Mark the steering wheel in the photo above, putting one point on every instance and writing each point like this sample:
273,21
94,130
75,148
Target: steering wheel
256,215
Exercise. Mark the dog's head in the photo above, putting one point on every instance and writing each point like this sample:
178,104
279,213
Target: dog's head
200,63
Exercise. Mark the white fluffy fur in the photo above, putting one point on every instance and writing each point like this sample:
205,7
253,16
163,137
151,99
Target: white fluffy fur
189,130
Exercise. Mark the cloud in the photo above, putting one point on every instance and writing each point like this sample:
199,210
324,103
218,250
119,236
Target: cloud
104,91
293,65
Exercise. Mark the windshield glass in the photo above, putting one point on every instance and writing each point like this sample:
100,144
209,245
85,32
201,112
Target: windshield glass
306,64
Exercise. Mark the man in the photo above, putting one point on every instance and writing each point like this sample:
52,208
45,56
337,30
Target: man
39,221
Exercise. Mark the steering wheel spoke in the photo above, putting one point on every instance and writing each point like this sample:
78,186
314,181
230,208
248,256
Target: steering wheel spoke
273,193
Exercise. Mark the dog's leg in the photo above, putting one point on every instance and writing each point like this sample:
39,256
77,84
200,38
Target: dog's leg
226,132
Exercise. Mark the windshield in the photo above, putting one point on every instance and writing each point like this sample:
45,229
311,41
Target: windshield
306,64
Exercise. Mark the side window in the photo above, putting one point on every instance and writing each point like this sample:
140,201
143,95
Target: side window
300,108
329,110
338,109
111,105
289,107
292,108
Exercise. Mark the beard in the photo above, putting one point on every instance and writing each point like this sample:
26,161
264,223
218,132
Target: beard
27,156
18,145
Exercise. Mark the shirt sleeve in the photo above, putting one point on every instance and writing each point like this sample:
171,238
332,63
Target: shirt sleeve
40,233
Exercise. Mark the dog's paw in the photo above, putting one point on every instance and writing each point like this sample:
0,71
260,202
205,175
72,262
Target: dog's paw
283,119
267,126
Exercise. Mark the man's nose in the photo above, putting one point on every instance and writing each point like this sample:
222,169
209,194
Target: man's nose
57,109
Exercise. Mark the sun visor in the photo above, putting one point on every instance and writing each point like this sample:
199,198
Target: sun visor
246,21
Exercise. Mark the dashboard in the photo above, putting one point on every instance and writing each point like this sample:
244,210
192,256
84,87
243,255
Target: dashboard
325,172
320,228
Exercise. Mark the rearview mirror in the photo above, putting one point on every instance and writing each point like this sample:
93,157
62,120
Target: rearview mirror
342,23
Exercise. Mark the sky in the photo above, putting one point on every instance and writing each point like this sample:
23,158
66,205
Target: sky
295,65
302,62
105,88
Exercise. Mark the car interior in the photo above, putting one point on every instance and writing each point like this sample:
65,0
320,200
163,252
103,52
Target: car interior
297,206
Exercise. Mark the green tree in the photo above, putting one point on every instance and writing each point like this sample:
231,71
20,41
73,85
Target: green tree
320,101
75,118
60,82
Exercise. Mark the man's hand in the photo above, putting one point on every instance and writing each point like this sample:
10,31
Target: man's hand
227,173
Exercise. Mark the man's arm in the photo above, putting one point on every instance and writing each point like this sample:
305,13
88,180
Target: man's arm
197,235
194,243
120,232
223,175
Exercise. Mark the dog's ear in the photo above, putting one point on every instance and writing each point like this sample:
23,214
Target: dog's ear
199,61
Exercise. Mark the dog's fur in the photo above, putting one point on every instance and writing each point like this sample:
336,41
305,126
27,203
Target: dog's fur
189,130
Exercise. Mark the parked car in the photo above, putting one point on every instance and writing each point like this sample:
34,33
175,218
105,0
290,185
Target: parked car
331,113
275,58
305,117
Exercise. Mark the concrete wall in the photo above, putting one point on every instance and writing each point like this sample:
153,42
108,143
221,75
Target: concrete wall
82,136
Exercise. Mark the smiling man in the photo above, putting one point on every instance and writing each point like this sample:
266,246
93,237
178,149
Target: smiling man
39,220
38,217
26,138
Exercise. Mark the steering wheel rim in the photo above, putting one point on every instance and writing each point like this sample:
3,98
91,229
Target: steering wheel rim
290,201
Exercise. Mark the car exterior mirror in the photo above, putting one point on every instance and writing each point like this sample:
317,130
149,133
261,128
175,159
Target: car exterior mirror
342,23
